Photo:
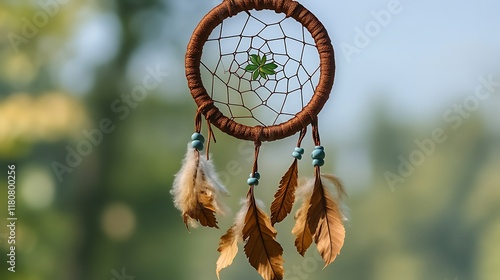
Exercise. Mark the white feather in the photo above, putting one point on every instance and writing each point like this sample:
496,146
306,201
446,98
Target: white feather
305,189
212,185
212,176
184,186
197,176
239,220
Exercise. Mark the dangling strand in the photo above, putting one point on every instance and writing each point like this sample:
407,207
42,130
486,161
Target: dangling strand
285,195
197,188
264,253
320,218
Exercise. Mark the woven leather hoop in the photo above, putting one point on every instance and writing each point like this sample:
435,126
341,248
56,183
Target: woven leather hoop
205,103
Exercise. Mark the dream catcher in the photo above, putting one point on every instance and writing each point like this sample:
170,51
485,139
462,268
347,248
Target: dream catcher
261,70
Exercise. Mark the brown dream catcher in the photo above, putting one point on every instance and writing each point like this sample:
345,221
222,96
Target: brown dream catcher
261,70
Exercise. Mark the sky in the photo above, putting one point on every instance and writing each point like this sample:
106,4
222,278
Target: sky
425,57
417,58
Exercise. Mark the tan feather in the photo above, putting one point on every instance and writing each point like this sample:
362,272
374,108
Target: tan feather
285,196
197,191
264,253
228,246
330,235
325,219
301,230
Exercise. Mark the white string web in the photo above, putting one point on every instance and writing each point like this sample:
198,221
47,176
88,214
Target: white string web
274,100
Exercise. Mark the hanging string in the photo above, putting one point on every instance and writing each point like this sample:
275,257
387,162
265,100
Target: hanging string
256,157
211,136
197,121
303,133
315,131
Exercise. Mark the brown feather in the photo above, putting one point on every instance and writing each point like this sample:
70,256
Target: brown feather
264,253
325,219
317,205
204,211
301,230
285,196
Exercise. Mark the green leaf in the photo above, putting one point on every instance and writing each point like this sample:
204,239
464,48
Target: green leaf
255,59
259,67
255,75
251,67
267,71
271,66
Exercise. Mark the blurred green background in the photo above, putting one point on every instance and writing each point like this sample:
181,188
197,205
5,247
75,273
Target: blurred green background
68,68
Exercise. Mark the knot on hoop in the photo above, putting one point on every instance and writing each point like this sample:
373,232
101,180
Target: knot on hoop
231,7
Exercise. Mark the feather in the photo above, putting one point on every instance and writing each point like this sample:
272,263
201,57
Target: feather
335,184
264,253
197,190
324,218
212,185
338,192
228,246
212,176
301,230
285,196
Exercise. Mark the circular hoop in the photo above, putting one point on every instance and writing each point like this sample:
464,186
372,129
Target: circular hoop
205,103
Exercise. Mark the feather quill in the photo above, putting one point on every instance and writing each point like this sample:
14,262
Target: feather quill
197,190
264,253
285,196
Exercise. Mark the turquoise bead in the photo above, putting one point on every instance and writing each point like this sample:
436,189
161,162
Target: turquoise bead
299,150
318,162
256,175
198,136
253,181
319,148
197,144
297,155
318,154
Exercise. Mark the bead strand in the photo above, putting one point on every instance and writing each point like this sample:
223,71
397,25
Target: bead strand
254,179
297,153
197,141
318,156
